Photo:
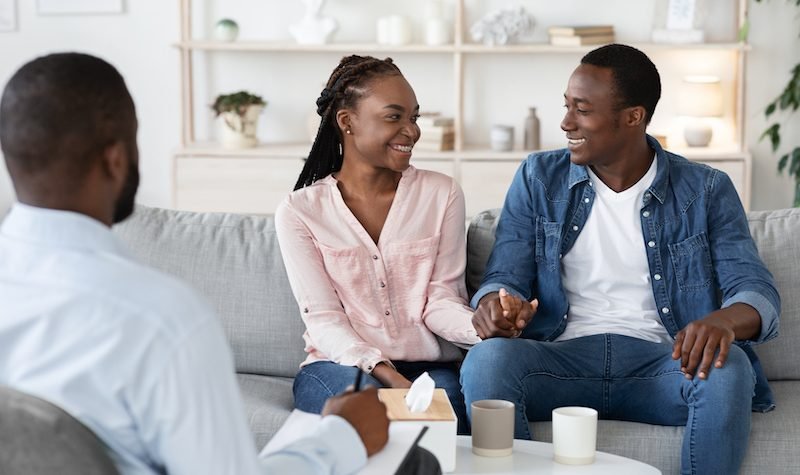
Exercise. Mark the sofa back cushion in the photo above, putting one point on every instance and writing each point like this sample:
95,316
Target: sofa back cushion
234,261
776,236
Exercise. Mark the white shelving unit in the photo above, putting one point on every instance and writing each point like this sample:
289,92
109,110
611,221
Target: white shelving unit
210,178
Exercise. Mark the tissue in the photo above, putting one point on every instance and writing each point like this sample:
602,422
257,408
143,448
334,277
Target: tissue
420,394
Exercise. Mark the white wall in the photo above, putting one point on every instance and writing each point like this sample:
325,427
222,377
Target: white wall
138,43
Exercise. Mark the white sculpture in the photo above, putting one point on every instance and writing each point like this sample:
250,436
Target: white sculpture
313,29
501,26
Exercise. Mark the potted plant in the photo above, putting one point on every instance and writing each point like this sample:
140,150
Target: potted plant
788,101
239,112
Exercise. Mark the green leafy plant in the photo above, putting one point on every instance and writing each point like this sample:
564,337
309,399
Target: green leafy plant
787,100
238,102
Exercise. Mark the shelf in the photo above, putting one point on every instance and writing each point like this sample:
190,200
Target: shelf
471,153
289,47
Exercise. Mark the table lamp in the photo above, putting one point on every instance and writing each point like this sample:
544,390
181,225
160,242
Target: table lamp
701,98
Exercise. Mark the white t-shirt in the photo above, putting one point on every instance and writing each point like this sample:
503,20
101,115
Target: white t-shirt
605,274
135,355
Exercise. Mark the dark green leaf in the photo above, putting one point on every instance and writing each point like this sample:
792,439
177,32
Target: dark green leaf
774,134
794,169
782,163
770,109
786,98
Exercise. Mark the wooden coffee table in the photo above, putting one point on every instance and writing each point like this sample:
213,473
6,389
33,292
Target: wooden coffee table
537,457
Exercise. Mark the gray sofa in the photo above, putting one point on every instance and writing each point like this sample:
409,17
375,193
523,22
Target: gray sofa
235,262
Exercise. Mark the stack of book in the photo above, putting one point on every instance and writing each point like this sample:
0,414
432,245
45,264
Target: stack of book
581,35
436,133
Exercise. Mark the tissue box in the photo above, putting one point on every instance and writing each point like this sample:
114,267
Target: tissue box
440,439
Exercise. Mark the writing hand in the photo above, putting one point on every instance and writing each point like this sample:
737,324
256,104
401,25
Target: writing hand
366,413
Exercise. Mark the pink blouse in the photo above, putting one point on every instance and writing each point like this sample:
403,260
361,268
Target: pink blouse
364,303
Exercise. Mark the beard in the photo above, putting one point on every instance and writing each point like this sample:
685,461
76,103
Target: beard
125,203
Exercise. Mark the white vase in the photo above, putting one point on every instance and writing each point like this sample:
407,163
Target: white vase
240,131
313,29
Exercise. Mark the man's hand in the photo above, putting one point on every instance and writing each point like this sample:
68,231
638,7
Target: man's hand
502,314
697,344
366,413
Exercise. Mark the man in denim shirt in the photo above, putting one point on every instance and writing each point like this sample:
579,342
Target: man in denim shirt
645,287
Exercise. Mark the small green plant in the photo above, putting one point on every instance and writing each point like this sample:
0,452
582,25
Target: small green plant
236,102
787,100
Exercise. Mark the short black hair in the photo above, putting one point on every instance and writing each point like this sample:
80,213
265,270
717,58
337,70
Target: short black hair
636,79
64,108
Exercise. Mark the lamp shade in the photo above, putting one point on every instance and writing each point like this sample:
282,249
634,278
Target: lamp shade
701,96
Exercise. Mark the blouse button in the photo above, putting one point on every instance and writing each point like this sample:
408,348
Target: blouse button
386,312
305,310
375,257
369,368
383,284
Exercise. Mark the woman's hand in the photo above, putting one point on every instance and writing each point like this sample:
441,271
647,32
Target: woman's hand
390,377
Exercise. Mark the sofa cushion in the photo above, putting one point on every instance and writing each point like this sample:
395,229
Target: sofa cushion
235,262
268,401
776,236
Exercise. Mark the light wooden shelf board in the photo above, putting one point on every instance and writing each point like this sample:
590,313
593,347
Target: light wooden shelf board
288,47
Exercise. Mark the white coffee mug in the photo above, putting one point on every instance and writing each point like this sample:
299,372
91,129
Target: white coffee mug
574,435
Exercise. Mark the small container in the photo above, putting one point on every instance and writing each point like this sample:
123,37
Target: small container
532,131
440,439
226,30
501,138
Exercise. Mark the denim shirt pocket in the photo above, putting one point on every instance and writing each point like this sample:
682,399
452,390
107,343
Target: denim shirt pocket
691,261
548,243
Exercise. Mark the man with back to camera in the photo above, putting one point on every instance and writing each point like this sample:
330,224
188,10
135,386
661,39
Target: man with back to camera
629,276
135,355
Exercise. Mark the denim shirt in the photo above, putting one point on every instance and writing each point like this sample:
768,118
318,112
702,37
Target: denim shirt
699,249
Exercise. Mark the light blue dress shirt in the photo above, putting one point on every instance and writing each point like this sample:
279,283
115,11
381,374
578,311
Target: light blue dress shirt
134,354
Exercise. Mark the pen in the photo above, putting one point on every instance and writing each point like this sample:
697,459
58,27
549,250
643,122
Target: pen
357,384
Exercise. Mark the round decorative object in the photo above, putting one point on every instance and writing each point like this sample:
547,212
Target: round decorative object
226,30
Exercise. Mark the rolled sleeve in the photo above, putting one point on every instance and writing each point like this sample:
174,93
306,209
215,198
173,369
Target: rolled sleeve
493,287
765,308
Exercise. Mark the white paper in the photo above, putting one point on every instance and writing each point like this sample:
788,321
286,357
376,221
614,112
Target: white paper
680,14
300,424
420,394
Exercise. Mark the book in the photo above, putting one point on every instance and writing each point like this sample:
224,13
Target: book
436,133
581,40
581,30
434,120
401,440
442,145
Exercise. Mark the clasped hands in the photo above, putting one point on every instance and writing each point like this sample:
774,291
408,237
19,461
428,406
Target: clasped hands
500,314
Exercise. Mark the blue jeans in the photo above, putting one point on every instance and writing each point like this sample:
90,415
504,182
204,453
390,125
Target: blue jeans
316,382
623,378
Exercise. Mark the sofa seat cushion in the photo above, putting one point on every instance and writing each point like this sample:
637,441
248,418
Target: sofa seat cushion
234,261
773,438
268,401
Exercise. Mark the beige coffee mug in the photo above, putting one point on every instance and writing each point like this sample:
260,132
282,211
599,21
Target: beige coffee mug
492,427
574,435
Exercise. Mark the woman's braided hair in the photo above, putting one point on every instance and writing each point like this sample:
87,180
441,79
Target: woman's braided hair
346,86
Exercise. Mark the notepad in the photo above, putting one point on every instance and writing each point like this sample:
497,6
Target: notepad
401,440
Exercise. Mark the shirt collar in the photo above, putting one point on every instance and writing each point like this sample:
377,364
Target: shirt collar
407,174
578,174
59,229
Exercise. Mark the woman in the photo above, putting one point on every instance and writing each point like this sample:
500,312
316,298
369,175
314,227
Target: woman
374,248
